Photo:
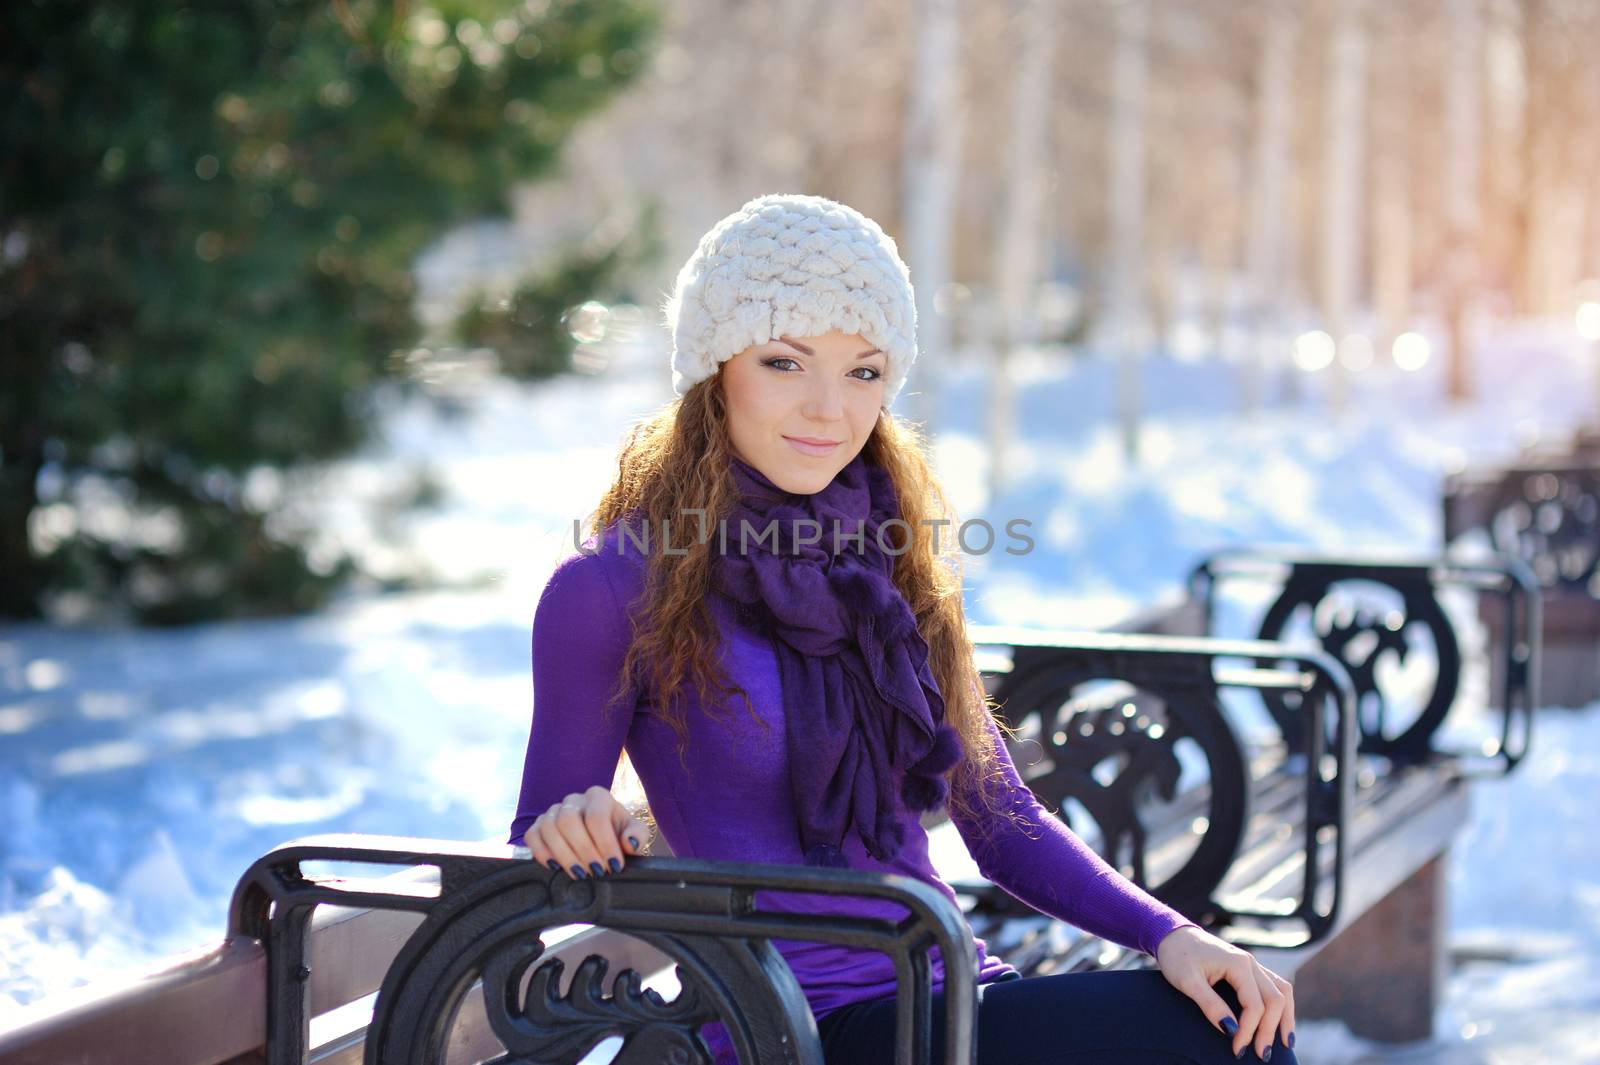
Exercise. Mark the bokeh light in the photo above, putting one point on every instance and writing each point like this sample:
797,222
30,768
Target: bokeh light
1411,351
1588,319
587,322
1314,350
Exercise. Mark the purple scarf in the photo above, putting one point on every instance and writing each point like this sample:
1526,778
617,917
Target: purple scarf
863,710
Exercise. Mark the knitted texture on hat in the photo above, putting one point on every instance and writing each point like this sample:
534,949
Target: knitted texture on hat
788,264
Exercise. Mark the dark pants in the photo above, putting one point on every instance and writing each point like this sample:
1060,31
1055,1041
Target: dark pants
1094,1018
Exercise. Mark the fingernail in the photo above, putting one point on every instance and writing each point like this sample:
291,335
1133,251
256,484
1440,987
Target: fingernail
1267,1055
616,865
1230,1026
594,867
553,864
1240,1054
1291,1040
633,841
578,873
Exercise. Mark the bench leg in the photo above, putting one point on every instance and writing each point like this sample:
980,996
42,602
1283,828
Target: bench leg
1383,975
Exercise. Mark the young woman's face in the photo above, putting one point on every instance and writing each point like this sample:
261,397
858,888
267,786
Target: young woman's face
800,408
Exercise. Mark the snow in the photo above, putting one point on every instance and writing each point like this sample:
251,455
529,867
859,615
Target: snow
141,772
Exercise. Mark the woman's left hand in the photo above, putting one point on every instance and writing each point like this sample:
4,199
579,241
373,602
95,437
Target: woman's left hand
1192,960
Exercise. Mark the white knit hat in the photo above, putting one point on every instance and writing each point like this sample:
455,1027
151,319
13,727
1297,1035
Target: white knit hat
787,264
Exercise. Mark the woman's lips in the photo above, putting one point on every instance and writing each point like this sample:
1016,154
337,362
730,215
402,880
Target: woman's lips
805,447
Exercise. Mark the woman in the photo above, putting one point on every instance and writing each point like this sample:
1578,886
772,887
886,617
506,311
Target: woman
767,622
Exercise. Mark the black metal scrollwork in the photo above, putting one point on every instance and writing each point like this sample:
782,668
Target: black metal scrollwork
490,927
1132,747
1550,518
550,1026
1359,637
1119,762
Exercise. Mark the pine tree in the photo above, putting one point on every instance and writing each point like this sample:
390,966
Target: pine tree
208,216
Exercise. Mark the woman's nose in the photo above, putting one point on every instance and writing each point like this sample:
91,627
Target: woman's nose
825,401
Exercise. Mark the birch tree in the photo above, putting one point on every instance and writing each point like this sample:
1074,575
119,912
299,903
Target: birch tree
931,155
1269,217
1017,250
1391,219
1461,192
1127,186
1341,179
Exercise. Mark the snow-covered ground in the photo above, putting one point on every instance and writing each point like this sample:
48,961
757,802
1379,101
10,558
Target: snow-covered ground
140,772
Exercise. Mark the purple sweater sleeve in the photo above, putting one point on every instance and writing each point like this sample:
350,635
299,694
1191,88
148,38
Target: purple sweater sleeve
1044,864
580,636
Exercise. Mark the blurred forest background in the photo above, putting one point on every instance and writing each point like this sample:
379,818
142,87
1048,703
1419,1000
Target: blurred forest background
228,233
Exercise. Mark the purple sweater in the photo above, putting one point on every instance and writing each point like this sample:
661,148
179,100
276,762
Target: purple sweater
733,803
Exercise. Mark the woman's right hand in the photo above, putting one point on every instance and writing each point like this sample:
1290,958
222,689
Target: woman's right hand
586,835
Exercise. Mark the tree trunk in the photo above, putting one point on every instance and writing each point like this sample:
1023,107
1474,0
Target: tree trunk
1129,68
21,576
1017,250
1341,181
1462,153
932,159
1270,216
1392,237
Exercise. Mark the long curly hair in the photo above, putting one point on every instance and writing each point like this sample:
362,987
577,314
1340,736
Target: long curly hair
678,461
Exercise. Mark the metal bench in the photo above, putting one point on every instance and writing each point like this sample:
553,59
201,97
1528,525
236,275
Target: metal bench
1544,508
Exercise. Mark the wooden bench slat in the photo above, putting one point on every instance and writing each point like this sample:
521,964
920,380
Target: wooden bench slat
204,1009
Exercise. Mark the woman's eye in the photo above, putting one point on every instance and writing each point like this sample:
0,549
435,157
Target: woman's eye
872,373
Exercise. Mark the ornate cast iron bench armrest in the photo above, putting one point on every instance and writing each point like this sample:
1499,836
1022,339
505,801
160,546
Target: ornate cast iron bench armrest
1108,754
492,909
1361,637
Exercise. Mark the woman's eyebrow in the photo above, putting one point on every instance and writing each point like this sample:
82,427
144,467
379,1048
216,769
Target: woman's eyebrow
808,351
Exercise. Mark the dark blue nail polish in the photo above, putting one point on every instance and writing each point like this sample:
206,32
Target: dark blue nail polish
594,867
1291,1040
553,864
1240,1055
1267,1055
1230,1026
616,865
633,841
578,873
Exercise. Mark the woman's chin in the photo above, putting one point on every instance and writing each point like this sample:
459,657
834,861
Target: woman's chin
804,477
806,484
